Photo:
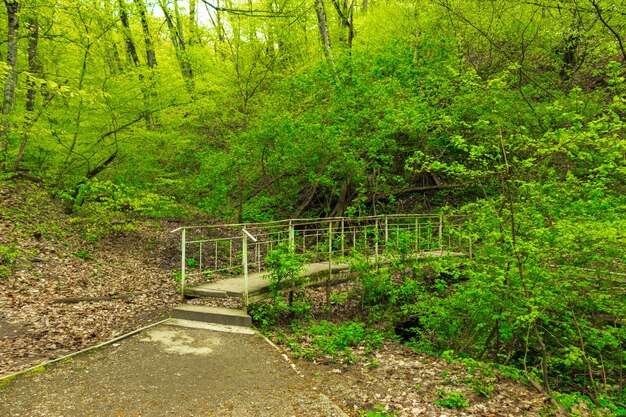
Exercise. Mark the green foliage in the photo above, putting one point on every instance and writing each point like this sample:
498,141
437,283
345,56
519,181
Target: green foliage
97,196
284,268
577,404
177,276
452,399
9,255
284,273
377,411
335,342
82,254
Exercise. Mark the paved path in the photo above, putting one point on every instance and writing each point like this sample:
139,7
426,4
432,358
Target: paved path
170,371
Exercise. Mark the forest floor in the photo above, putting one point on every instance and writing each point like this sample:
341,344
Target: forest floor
54,263
38,323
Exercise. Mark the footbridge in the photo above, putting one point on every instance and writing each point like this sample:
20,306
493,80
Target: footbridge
230,260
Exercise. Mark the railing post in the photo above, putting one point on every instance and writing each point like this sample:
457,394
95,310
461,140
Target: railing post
183,246
386,231
330,240
230,254
376,240
292,241
417,235
244,262
330,265
342,237
441,233
200,257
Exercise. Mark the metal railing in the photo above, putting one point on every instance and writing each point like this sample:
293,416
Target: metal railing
234,249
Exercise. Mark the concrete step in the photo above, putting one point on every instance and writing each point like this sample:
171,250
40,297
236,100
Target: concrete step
217,315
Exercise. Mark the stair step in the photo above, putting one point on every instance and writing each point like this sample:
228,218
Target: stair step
218,315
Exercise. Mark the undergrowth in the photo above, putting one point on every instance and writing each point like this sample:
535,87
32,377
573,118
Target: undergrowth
570,346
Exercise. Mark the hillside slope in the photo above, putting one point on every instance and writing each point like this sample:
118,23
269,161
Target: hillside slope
47,260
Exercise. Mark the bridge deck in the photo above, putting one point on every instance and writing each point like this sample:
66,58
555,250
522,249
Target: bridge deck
258,286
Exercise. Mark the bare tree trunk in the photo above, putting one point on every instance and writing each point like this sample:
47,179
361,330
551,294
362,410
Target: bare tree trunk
114,63
34,65
219,28
151,61
345,11
143,16
34,69
131,50
193,23
13,8
178,40
323,27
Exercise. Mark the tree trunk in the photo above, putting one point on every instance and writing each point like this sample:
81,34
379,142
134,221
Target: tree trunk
219,28
131,50
34,65
193,23
143,16
323,28
149,93
34,69
345,11
13,8
178,40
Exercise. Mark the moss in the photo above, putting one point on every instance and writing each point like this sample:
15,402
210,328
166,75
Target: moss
36,371
6,381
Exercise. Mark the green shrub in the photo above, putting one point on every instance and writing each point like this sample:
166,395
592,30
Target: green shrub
452,399
8,259
337,341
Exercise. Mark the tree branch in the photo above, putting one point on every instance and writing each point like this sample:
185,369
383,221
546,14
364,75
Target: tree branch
596,6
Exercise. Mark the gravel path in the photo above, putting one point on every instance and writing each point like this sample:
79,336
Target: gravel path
173,371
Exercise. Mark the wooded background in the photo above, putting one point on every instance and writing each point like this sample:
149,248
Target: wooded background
257,110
